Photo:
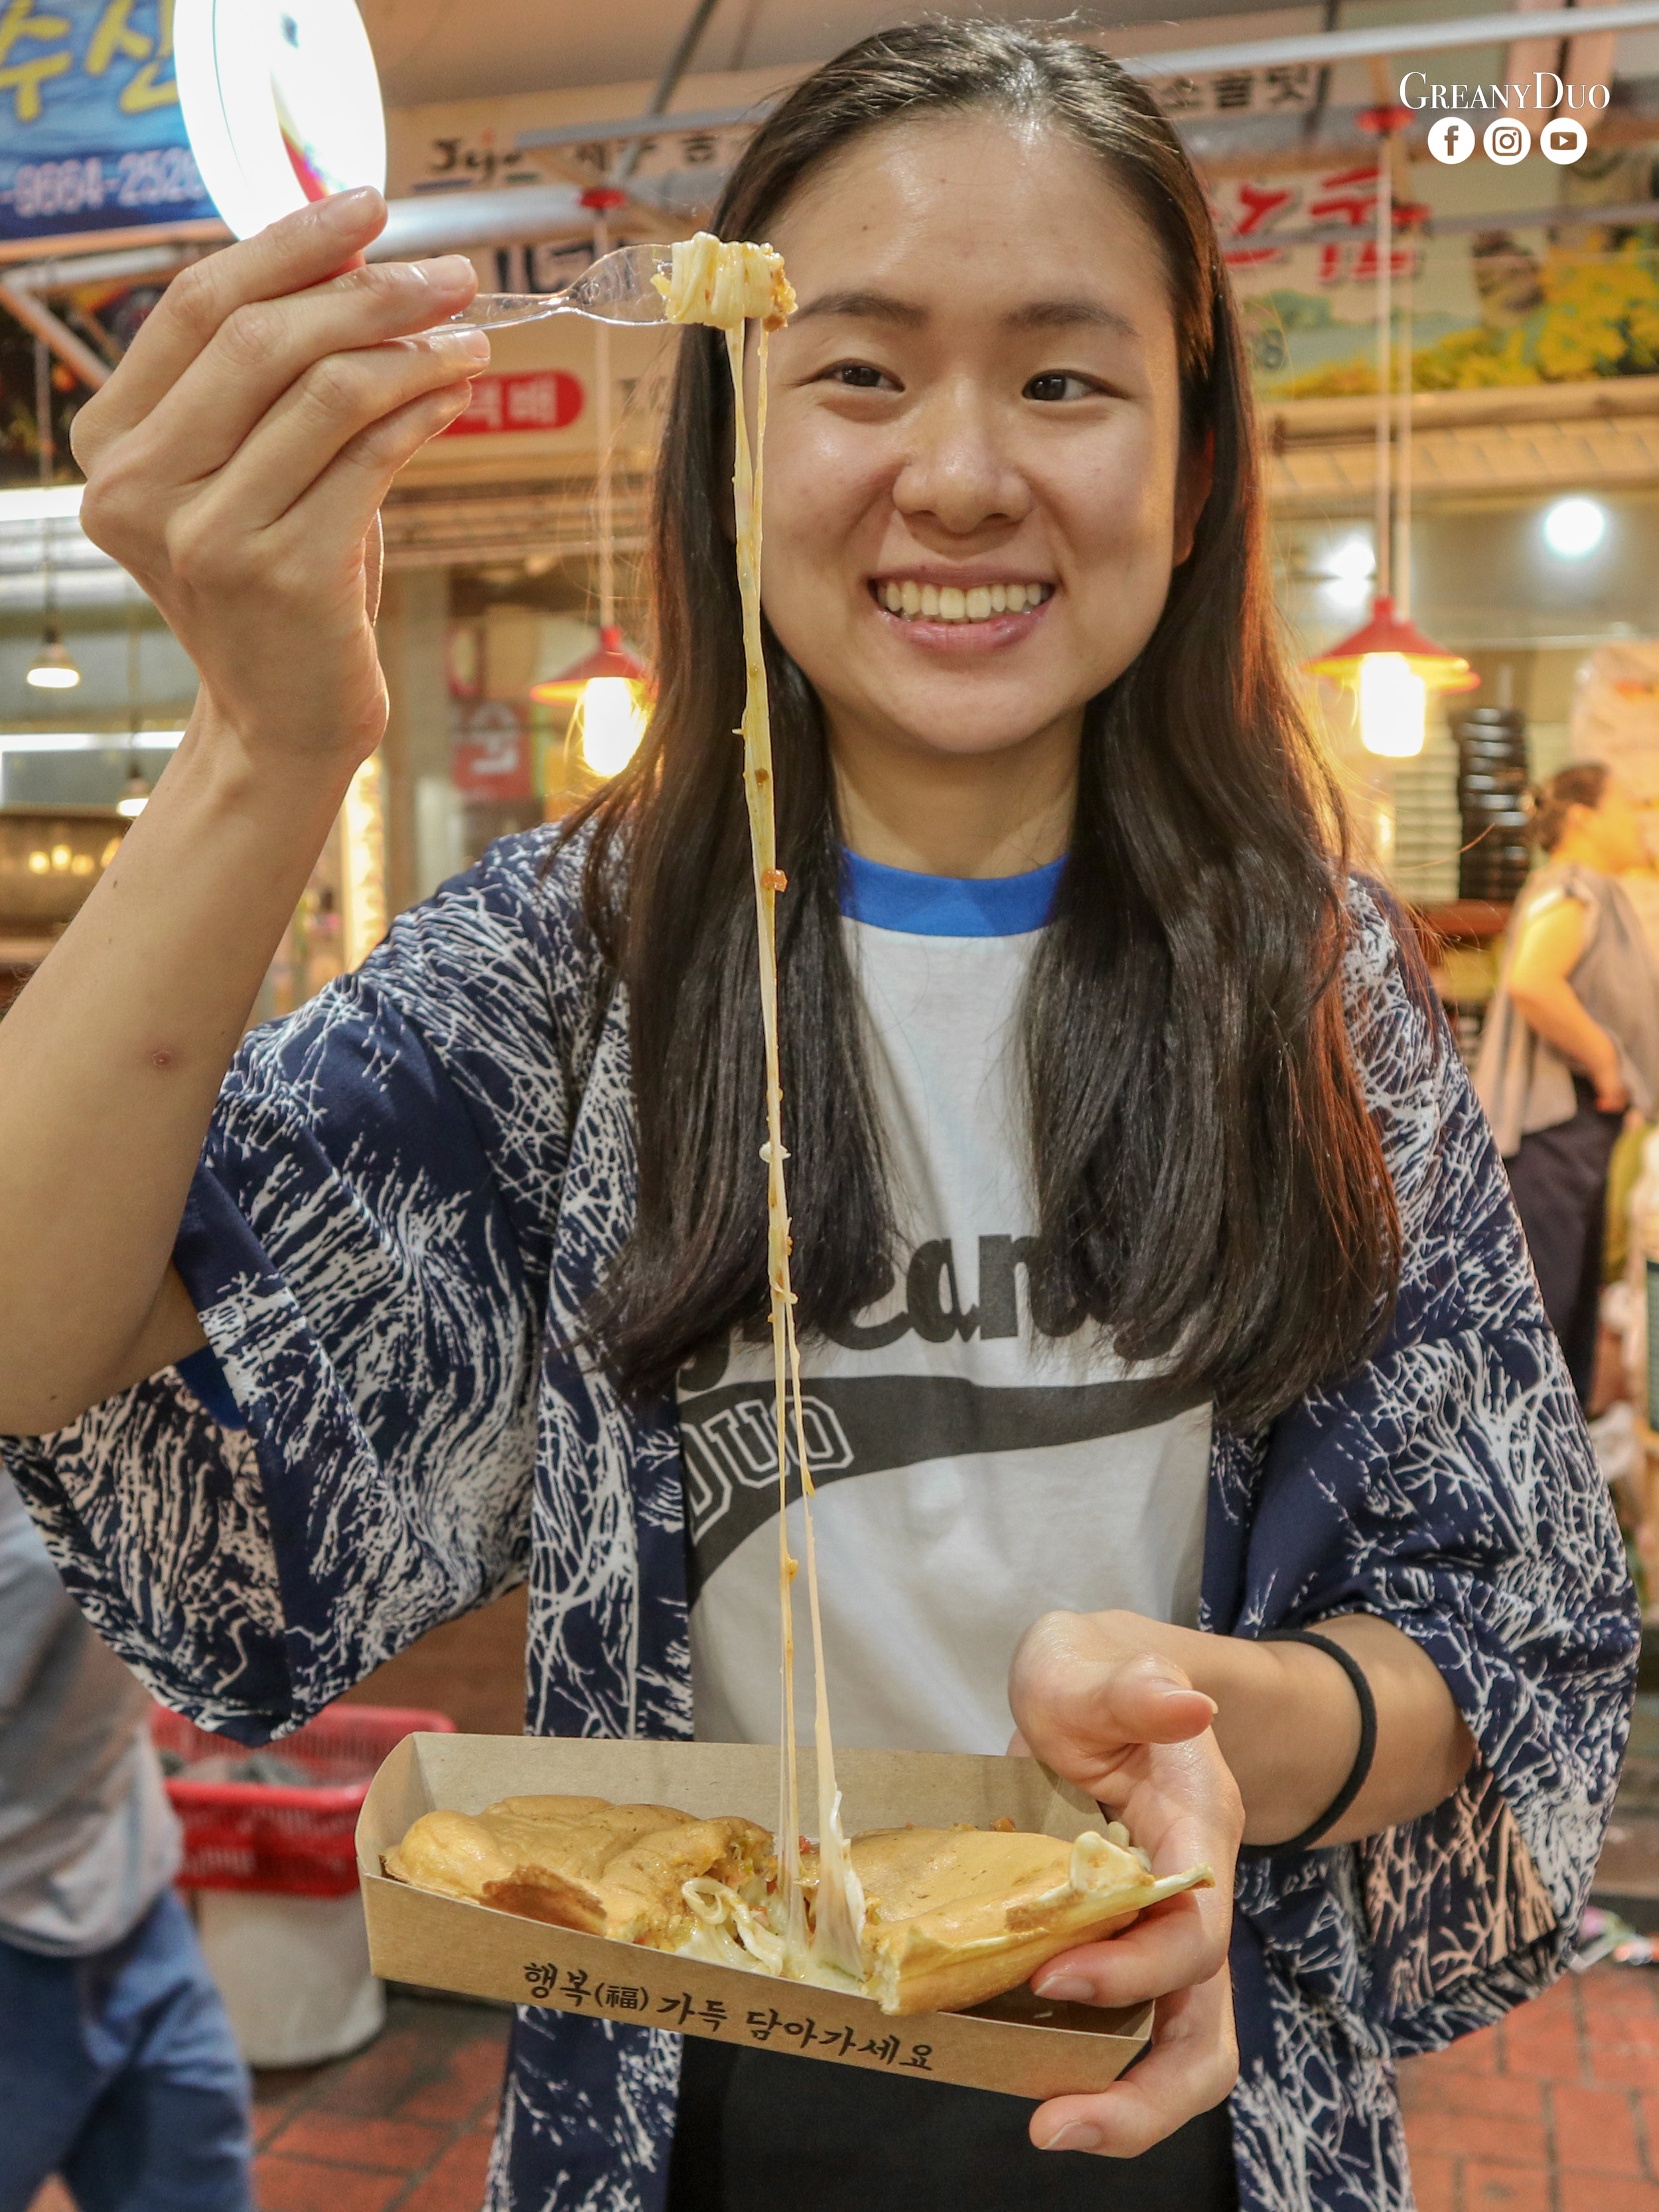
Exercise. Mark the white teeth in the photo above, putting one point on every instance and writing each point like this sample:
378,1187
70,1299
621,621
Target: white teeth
950,603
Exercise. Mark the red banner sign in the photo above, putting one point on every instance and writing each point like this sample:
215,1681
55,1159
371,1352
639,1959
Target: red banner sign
535,399
490,750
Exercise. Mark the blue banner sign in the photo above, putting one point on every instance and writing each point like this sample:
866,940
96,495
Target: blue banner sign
91,137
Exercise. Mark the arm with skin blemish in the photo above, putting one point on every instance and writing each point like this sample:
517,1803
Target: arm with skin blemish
236,462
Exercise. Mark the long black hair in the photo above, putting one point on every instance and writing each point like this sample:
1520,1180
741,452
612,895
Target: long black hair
1210,1188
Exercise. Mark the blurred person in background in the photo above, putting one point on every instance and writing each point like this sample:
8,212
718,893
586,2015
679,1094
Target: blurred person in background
119,2071
1571,1042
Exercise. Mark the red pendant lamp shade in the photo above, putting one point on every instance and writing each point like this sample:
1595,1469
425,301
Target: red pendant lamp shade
1386,632
610,657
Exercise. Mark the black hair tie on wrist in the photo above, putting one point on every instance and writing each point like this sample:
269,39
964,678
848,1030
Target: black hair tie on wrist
1362,1758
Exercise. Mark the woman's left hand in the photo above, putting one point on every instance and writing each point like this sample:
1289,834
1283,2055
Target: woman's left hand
1127,1725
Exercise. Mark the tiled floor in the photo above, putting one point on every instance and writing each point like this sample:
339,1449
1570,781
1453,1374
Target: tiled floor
403,2127
1556,2111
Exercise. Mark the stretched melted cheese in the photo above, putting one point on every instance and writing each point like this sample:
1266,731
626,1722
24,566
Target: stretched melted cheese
728,285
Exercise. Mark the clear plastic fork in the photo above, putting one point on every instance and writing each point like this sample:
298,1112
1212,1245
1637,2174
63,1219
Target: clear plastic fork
617,288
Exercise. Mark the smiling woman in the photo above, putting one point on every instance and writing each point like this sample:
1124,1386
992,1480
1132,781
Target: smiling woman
1174,1387
966,402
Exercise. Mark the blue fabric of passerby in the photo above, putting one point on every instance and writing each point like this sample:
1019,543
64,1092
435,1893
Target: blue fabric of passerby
118,2072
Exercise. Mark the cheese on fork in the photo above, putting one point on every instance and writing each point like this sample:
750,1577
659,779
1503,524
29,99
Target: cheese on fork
726,284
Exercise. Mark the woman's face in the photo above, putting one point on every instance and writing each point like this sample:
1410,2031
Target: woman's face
1616,828
975,486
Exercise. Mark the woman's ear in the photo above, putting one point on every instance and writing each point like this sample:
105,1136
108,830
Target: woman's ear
1193,478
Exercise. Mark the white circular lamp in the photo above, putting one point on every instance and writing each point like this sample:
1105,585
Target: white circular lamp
281,102
1573,528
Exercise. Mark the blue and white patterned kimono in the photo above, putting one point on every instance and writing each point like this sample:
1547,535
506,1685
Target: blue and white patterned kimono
410,1189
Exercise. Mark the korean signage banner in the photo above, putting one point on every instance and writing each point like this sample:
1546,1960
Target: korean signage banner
537,399
1512,303
491,750
91,137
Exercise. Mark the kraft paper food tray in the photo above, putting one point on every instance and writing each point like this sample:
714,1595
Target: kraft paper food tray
1018,2043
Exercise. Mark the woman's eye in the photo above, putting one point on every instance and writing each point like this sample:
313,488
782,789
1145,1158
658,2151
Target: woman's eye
860,376
1054,386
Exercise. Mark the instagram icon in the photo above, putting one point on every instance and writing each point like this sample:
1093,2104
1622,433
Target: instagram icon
1507,142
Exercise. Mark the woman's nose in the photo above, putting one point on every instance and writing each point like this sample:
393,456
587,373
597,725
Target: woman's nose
957,469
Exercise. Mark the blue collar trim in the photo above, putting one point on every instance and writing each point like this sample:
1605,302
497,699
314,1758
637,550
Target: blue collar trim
947,906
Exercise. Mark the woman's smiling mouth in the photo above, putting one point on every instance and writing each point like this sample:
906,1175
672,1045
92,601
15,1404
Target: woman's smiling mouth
912,600
961,617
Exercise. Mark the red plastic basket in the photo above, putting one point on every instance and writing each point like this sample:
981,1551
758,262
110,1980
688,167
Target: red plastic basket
258,1835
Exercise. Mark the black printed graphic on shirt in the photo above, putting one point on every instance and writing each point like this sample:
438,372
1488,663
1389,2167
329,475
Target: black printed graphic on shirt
876,1424
932,1308
872,1423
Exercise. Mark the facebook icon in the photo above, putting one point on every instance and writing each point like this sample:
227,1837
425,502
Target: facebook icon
1451,139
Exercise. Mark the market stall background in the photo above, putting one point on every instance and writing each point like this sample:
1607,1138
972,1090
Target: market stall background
1533,343
1532,355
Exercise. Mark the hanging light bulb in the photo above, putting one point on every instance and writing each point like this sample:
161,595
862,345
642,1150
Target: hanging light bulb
612,722
1393,705
607,688
51,669
1393,666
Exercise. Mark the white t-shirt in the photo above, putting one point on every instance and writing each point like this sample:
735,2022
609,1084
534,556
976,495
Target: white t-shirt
970,1475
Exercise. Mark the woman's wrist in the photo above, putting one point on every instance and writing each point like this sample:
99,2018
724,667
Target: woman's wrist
1287,1721
1289,1725
244,760
1600,1056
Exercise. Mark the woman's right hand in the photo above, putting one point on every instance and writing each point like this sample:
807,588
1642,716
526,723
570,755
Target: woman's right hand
1109,1713
235,461
237,458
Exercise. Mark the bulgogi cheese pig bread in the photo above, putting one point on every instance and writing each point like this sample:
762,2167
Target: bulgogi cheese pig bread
615,1870
952,1916
957,1916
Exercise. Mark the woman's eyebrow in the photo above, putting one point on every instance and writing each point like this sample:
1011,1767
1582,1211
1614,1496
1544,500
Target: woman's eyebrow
1036,315
1070,314
866,306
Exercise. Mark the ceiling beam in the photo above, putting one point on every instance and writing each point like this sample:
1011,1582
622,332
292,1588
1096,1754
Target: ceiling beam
1324,48
39,321
1384,39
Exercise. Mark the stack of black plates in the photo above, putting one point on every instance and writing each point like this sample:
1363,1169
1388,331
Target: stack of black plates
1492,789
